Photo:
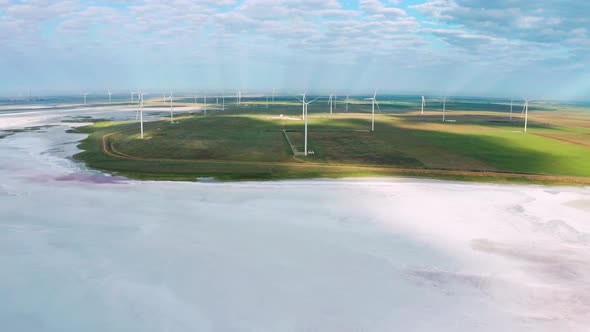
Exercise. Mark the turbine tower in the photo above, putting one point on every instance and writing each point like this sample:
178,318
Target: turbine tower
304,105
85,94
347,101
331,103
374,101
171,109
525,109
138,106
423,104
140,103
511,102
444,108
110,96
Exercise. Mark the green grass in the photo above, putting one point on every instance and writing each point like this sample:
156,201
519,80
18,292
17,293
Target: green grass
248,144
516,152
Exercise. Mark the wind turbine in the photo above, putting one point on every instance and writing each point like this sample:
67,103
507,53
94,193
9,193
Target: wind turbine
331,104
85,94
140,102
110,96
347,101
525,109
423,104
374,101
511,101
305,104
171,109
444,108
138,106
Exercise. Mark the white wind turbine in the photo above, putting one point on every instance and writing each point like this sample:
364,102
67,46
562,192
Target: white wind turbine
444,108
511,102
331,103
374,101
138,106
347,101
171,109
110,96
140,103
304,105
423,104
85,95
525,110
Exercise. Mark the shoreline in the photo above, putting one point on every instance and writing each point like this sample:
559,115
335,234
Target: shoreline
304,170
330,171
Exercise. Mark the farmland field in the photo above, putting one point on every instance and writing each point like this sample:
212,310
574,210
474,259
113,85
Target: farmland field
249,142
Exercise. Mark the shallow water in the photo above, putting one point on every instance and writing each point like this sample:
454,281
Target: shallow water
83,251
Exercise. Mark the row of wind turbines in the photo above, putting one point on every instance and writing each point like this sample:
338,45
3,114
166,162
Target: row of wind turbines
305,103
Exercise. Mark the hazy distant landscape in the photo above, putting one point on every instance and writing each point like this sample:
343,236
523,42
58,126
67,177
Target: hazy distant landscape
479,140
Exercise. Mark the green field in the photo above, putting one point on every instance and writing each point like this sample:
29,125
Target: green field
249,143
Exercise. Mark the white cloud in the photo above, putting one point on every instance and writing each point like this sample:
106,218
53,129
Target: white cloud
511,34
375,7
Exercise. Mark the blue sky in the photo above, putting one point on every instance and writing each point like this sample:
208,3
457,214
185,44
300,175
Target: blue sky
454,47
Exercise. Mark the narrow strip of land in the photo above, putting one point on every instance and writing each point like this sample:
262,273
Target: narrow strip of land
107,147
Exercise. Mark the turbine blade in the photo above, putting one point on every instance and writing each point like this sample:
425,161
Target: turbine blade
309,102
